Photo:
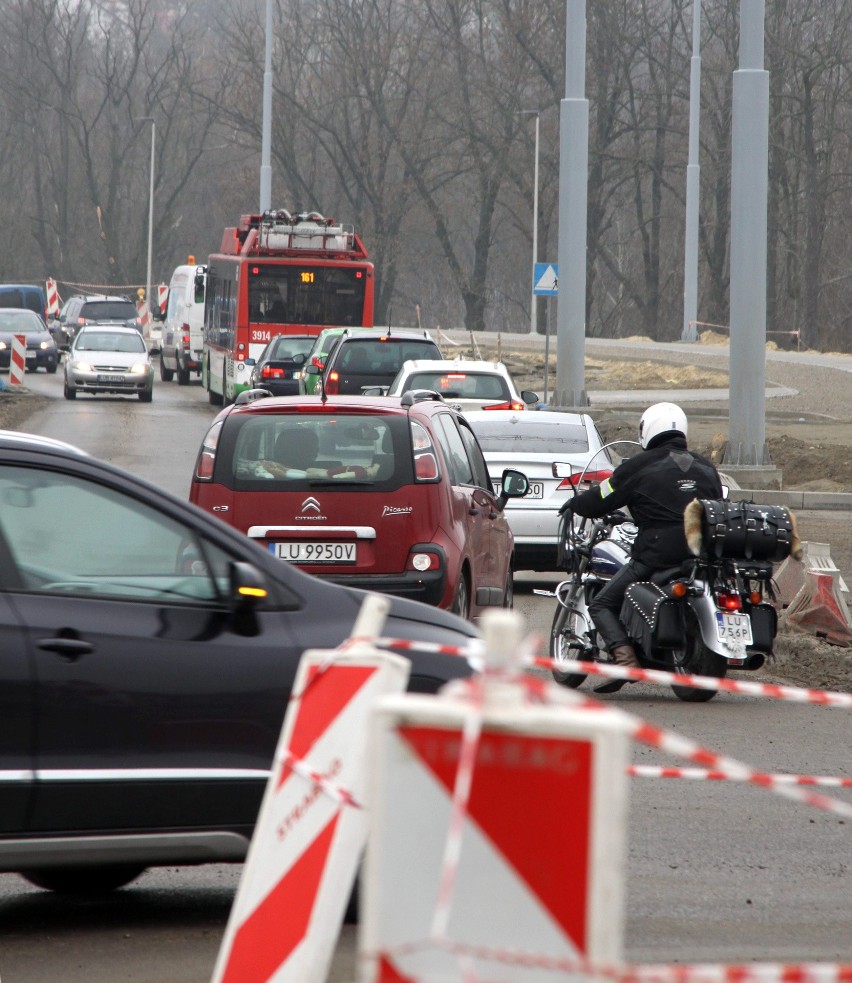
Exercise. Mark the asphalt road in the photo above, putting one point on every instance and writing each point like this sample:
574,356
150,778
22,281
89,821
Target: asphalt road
717,872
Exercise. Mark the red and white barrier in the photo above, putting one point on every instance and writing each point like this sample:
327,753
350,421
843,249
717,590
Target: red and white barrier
791,694
52,294
18,360
820,609
459,781
162,298
719,775
144,316
312,824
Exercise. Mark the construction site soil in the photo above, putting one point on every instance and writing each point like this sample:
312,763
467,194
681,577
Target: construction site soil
809,436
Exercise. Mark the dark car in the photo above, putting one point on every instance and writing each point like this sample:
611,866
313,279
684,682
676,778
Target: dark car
360,361
391,495
41,350
95,309
279,364
30,296
148,656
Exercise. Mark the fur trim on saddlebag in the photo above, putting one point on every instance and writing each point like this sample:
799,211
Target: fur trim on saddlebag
741,530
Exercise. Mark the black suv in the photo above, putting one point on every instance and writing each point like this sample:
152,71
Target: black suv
95,309
360,361
143,682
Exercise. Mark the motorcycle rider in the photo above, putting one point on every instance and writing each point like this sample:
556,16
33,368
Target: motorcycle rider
655,486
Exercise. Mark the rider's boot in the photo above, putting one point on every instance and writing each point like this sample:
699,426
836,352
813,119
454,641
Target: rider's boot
621,655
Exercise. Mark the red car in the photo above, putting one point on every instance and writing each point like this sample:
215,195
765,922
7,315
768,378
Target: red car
386,494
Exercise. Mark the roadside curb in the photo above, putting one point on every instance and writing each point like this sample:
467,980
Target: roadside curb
801,500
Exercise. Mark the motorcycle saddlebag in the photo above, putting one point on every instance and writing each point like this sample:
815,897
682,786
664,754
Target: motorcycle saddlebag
651,616
742,530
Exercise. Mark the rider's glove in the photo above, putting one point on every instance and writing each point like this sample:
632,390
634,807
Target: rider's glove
565,507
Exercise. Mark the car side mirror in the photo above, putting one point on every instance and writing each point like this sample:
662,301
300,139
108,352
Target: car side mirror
251,361
313,369
529,397
373,390
513,484
247,592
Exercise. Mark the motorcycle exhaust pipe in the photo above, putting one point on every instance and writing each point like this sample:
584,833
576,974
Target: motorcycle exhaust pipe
755,660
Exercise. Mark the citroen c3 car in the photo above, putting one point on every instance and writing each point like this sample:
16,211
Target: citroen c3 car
391,495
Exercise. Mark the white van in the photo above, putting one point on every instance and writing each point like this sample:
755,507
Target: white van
183,327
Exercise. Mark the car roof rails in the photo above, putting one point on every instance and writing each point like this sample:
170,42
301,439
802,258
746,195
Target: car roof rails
412,396
250,395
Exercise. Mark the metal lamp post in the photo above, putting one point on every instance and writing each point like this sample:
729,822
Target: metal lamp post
150,119
266,138
533,296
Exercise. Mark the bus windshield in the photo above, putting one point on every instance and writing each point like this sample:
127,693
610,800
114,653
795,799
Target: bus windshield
306,294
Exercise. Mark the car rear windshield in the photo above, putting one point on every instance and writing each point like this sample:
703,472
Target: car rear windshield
21,297
461,385
381,357
289,347
108,310
532,438
289,452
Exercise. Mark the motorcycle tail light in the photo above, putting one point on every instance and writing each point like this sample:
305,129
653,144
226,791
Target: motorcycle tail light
679,589
728,602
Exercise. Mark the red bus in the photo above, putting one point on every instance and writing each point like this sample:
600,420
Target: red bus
278,273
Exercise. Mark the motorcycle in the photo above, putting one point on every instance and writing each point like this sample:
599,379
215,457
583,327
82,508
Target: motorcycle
712,613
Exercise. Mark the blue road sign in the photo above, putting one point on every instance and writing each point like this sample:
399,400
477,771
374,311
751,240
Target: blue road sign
546,279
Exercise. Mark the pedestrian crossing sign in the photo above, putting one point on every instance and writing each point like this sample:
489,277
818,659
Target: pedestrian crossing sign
546,279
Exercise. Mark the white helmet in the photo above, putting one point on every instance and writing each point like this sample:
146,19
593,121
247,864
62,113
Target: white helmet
661,418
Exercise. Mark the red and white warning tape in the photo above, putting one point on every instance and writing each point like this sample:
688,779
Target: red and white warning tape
300,767
808,972
793,694
705,774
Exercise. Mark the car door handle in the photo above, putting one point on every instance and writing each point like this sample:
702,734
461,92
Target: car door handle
473,510
68,648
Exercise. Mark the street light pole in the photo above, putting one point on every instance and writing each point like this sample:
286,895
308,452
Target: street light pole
150,119
533,296
266,136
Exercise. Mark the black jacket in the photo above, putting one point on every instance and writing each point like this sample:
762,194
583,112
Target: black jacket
656,487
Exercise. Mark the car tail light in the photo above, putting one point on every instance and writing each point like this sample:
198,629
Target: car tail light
603,475
207,456
332,384
271,372
506,406
728,601
425,462
423,560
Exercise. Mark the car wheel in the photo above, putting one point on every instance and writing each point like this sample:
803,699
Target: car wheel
51,369
509,590
215,399
182,375
461,602
165,374
83,880
70,391
146,395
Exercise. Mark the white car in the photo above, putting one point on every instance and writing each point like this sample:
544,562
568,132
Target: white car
466,384
109,358
534,443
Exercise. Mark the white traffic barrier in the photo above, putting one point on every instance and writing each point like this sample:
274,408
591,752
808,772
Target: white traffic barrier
312,824
162,298
18,360
52,294
465,786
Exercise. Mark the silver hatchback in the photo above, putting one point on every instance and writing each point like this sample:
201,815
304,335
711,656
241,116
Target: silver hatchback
109,358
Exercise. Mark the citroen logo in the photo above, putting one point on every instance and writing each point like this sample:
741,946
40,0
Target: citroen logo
311,505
